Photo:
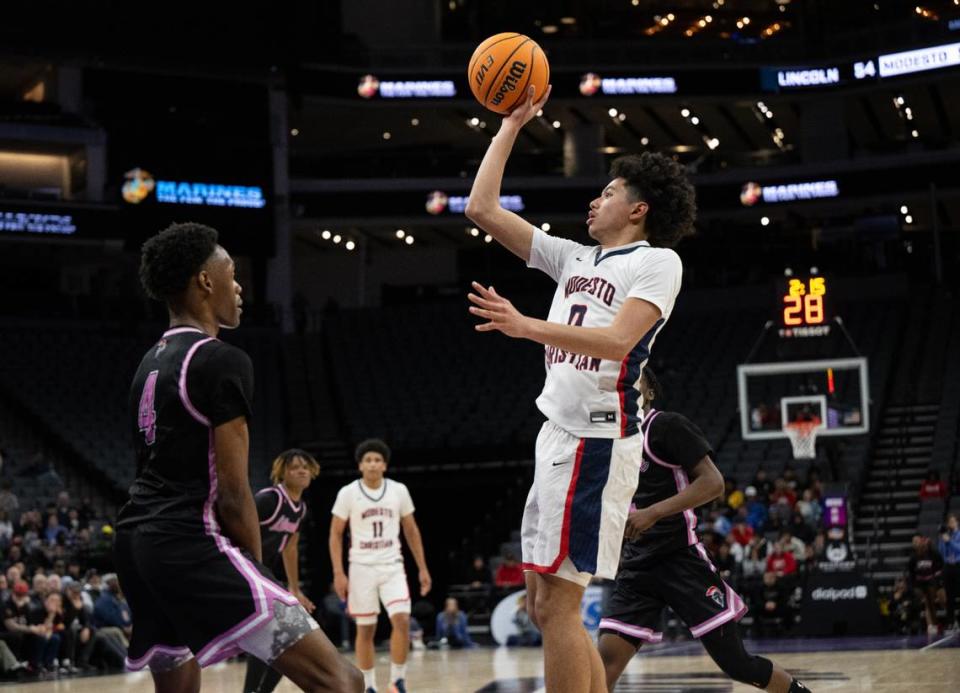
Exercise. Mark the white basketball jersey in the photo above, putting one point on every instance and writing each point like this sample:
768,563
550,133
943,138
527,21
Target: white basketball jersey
588,396
374,519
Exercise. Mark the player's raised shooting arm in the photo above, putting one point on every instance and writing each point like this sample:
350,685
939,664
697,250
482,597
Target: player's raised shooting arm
235,506
483,207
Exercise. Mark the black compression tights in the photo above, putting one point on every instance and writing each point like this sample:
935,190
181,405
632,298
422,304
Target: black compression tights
725,647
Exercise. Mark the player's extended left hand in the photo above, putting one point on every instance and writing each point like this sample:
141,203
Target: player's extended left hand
426,582
639,521
499,312
305,601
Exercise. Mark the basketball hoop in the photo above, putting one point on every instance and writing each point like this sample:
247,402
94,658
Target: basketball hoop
803,438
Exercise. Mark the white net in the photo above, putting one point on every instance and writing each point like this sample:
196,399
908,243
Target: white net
803,438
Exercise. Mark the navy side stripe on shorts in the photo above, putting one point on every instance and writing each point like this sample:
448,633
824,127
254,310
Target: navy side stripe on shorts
588,503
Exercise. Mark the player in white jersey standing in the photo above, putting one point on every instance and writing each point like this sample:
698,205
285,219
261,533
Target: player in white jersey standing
611,301
376,508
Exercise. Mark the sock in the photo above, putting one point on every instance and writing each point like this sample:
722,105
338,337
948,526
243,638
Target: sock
369,678
398,671
797,687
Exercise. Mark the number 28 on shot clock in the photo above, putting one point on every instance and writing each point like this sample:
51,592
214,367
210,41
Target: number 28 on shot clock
803,302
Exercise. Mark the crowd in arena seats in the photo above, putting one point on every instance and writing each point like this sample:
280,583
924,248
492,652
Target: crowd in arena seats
765,539
59,615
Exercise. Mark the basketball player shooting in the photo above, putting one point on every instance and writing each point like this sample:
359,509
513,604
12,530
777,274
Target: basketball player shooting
664,563
188,549
611,301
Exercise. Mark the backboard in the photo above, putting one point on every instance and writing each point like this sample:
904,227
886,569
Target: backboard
834,391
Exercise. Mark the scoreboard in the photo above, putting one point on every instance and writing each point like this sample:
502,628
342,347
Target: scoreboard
803,307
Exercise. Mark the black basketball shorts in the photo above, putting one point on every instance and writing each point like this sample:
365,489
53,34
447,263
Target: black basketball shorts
200,596
684,580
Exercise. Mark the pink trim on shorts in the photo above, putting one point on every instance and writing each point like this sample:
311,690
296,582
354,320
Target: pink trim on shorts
144,661
264,592
645,634
703,554
734,611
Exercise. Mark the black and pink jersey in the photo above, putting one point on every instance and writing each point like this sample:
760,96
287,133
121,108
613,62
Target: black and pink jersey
280,519
672,446
187,384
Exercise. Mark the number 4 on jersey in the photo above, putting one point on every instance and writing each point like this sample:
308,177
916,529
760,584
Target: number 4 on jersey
147,419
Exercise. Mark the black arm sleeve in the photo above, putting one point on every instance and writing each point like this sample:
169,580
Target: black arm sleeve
221,383
677,440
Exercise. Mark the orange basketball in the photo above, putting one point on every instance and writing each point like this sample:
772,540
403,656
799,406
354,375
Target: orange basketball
503,67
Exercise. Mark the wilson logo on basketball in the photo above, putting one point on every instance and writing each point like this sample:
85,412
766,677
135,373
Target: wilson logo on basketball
483,70
517,70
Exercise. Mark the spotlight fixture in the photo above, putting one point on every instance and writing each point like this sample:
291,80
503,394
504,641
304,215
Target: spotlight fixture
401,233
408,240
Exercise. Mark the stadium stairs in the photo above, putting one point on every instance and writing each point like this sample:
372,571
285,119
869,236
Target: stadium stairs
917,433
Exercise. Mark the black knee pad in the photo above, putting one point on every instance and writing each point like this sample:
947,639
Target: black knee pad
725,647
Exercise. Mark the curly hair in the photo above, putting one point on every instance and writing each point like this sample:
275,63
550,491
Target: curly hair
169,259
373,445
662,183
279,466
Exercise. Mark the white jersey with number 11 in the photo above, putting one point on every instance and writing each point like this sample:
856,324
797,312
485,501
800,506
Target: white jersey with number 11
374,520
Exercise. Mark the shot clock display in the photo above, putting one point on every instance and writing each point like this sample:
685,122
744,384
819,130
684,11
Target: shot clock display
803,307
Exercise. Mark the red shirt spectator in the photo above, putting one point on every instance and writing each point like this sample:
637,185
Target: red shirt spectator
781,490
933,486
742,533
509,573
781,562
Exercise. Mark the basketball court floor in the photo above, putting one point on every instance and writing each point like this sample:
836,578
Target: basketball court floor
847,665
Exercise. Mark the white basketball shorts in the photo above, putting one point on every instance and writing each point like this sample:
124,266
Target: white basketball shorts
371,584
577,508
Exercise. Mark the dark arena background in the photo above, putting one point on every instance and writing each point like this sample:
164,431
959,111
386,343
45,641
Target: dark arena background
333,145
